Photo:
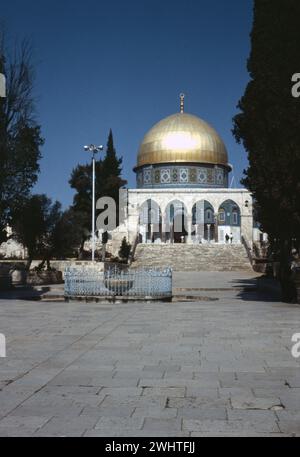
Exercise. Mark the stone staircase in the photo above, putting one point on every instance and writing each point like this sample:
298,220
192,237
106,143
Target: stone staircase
192,257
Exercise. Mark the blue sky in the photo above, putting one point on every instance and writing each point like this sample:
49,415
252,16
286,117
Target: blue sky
121,65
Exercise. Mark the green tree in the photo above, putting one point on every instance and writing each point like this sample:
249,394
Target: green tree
30,225
125,249
111,171
108,182
20,135
45,230
268,125
65,237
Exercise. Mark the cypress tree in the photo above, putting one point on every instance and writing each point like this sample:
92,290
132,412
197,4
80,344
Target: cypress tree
268,125
111,171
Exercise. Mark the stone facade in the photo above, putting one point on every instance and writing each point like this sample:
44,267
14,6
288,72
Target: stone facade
188,198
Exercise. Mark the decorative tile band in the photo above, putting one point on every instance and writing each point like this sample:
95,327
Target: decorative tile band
182,176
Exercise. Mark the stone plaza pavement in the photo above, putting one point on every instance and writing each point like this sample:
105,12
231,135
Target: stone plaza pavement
216,364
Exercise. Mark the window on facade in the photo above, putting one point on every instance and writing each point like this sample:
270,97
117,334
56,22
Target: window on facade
222,215
208,215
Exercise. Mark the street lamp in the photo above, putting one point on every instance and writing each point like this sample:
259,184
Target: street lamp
93,149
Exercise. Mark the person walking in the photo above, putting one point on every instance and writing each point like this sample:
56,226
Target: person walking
226,238
231,237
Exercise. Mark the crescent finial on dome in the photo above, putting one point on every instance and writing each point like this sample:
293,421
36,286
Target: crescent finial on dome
182,103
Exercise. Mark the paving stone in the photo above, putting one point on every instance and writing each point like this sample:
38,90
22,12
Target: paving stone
135,401
228,392
153,369
107,411
136,433
222,368
155,412
272,392
220,426
290,426
196,402
256,403
134,374
290,398
74,426
28,422
203,413
164,391
201,391
164,425
122,391
227,379
284,415
18,432
241,434
119,424
250,415
293,381
41,409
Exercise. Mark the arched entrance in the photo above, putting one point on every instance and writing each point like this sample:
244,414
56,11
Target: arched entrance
150,222
203,222
176,222
229,222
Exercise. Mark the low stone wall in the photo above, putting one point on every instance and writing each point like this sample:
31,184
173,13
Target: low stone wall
35,277
18,275
59,265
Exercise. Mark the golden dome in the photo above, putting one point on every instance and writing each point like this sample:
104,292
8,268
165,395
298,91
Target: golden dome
179,138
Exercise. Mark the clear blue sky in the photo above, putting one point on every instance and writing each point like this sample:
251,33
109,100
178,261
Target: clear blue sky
122,64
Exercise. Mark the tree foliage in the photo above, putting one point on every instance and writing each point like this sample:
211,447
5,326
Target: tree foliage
268,124
125,249
45,230
20,135
31,224
64,236
111,171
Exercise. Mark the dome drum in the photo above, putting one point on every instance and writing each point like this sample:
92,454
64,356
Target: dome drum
182,176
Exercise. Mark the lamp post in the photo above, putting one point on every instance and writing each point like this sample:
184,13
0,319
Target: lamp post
93,149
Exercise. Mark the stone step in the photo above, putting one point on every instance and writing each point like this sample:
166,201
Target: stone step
183,257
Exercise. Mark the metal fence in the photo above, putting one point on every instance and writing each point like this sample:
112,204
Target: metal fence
90,281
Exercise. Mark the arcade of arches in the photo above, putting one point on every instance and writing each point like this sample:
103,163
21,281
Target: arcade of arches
200,223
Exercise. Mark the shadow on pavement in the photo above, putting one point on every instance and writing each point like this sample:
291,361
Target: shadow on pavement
259,288
24,293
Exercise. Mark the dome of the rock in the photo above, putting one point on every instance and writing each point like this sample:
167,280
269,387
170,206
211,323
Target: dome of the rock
182,150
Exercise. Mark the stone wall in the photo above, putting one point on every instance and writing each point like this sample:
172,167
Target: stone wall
59,265
189,197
